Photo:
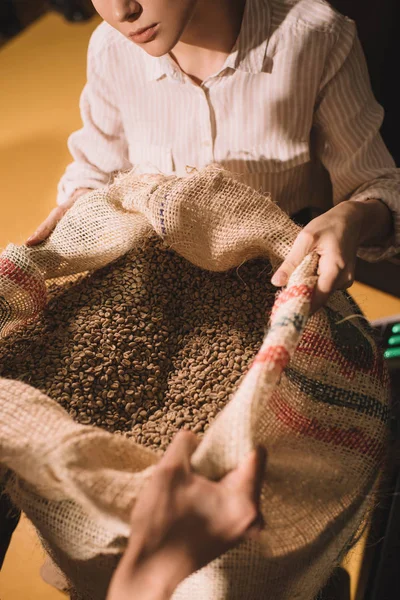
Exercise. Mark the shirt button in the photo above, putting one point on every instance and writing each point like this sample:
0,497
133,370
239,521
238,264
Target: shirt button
207,144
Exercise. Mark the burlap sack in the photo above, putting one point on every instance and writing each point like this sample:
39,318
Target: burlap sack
316,396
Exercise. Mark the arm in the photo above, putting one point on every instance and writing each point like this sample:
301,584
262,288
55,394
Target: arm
99,148
366,185
347,122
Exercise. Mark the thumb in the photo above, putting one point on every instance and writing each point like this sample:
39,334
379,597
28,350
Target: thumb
180,451
248,476
302,246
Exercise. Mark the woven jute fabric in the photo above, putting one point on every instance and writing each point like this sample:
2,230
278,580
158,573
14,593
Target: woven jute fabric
314,392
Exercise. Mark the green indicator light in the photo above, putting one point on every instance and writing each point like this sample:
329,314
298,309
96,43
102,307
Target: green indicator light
392,353
394,340
396,328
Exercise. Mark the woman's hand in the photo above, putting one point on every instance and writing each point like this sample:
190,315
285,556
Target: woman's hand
182,521
336,237
45,228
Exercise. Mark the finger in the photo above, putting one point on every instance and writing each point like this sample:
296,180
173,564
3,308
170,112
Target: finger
253,532
40,235
180,451
44,230
330,273
346,279
247,478
302,246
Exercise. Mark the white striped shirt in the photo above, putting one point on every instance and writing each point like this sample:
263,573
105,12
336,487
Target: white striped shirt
291,112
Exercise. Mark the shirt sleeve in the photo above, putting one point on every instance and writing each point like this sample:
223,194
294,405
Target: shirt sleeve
99,149
347,122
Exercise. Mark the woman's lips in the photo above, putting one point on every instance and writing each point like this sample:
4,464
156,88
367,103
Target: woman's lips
147,34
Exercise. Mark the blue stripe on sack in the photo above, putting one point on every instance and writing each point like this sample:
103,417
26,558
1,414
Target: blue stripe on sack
329,394
161,213
298,322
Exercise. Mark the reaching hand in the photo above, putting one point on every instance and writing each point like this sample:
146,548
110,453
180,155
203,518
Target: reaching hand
182,521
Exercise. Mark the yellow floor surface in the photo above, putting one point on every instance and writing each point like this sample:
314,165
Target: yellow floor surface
42,73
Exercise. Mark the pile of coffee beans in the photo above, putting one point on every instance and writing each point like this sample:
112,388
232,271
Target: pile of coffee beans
147,345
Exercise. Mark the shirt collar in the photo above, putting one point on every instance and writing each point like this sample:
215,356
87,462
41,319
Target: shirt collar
163,66
249,51
247,55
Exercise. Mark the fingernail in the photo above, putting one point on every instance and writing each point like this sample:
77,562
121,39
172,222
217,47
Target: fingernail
279,279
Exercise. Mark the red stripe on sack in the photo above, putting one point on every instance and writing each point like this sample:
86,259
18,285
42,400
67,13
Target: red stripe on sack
29,283
17,275
353,439
295,291
274,354
313,344
318,346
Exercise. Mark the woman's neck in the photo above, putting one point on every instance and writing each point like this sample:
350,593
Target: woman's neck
209,37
